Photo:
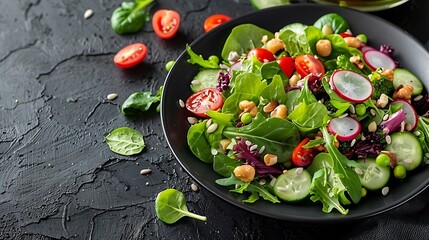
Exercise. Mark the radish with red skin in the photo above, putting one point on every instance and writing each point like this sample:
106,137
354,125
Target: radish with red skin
351,86
364,48
376,59
345,129
411,116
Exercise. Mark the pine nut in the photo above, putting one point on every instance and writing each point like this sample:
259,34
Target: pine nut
372,127
194,187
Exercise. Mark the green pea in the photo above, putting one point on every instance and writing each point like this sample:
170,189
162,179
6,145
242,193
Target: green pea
246,118
364,192
400,172
214,59
169,65
360,109
362,38
383,160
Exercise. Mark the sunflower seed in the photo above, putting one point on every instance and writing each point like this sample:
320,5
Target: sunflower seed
195,82
353,143
299,171
262,182
352,109
359,171
385,191
192,120
194,187
388,139
419,97
181,103
145,171
112,96
208,123
261,150
212,128
386,117
88,13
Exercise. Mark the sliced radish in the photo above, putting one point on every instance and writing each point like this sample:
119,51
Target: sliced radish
346,128
351,86
365,48
411,116
376,59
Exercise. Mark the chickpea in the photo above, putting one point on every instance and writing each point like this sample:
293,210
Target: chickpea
270,106
353,42
327,29
280,112
274,45
246,173
324,47
293,80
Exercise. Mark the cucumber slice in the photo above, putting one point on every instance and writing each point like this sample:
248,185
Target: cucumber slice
260,4
374,176
294,185
206,78
402,76
406,146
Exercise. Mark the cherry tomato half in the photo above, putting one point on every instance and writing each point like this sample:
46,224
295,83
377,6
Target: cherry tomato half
307,64
130,55
262,54
346,34
203,100
287,64
214,21
166,23
302,157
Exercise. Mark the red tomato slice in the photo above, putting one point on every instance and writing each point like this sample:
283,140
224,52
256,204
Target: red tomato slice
346,34
202,101
166,23
307,64
214,21
262,54
287,64
302,157
130,55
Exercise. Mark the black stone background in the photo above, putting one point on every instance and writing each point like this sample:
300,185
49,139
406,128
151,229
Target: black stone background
59,180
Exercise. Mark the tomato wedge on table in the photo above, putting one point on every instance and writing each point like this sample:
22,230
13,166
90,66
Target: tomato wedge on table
202,101
214,21
130,55
307,64
166,23
302,157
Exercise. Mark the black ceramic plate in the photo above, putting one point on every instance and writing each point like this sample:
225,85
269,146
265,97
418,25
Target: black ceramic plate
408,52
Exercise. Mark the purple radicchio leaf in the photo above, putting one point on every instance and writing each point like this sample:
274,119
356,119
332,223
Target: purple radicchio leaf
251,157
371,146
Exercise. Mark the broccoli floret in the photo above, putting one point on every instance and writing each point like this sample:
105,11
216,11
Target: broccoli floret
381,84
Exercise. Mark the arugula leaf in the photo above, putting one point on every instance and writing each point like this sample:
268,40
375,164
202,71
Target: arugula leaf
262,192
308,117
130,17
423,127
222,164
277,135
296,43
341,166
271,69
125,141
140,101
199,60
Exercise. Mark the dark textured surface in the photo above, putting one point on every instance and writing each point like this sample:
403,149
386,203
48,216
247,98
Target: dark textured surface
59,180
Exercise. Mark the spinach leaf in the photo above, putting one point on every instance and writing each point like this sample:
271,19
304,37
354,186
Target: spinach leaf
198,143
277,135
170,206
271,69
248,86
308,117
199,60
125,141
244,38
140,101
336,21
222,164
130,17
292,99
275,90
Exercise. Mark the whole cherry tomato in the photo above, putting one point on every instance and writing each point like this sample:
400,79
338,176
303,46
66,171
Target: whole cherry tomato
262,54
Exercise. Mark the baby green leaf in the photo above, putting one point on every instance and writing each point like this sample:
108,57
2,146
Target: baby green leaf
125,141
139,102
170,206
130,17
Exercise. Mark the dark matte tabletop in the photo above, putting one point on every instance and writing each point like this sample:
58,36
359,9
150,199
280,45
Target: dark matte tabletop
58,178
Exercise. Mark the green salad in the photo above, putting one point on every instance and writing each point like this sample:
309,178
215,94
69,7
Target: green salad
311,112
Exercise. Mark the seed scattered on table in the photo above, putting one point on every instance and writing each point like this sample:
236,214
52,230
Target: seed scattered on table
194,187
112,96
145,171
88,13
